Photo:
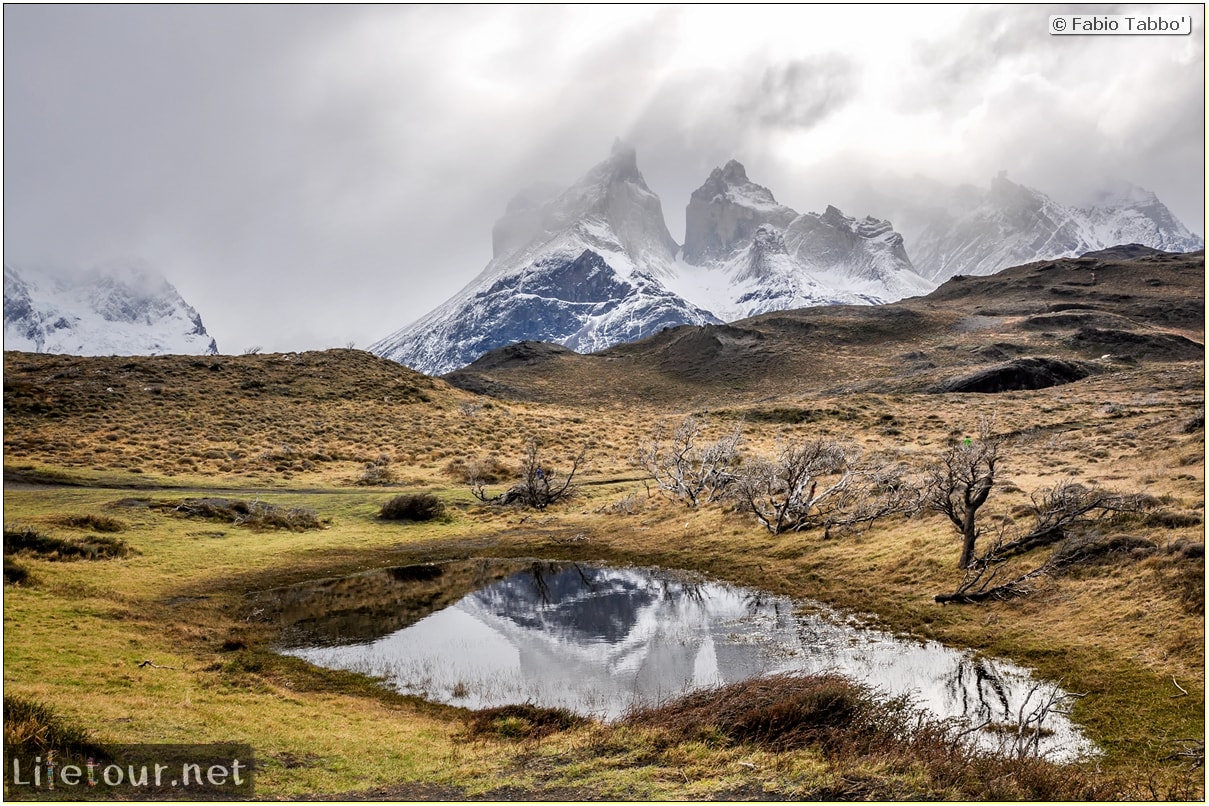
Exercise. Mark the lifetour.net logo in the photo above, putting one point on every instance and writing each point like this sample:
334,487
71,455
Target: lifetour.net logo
133,772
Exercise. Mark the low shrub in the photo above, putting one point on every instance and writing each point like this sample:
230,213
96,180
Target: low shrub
412,507
14,574
1091,549
1172,519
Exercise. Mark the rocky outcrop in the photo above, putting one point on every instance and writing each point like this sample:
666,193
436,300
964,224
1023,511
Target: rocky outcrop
1021,374
724,214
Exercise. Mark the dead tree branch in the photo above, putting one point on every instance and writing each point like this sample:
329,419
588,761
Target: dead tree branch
683,469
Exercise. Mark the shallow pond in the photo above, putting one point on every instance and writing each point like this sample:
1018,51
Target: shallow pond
601,640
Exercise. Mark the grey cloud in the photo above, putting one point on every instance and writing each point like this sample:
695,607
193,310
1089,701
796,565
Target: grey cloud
802,93
309,175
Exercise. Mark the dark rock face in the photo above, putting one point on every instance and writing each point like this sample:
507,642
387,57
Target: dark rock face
1019,375
725,212
1129,251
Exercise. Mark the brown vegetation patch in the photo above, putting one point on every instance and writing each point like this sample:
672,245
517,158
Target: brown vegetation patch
786,712
521,722
48,547
98,523
852,724
254,514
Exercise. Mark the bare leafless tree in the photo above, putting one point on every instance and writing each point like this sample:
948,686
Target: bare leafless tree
540,486
821,483
684,469
959,482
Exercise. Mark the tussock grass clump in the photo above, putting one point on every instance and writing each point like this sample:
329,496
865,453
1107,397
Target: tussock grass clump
1172,519
14,573
34,728
98,523
48,547
412,507
487,469
522,722
1097,549
377,474
787,712
254,514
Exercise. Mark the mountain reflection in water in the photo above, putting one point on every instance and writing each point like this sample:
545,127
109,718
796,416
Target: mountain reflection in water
601,640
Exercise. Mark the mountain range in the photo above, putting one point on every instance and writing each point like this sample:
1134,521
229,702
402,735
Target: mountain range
1100,316
117,309
594,265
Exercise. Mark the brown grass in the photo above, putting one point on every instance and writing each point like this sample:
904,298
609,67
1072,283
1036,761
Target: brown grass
853,726
27,541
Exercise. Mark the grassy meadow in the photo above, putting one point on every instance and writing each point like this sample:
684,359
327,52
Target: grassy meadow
115,448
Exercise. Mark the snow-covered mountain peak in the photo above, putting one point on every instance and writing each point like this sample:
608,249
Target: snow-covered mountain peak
583,268
124,308
610,207
593,264
1124,213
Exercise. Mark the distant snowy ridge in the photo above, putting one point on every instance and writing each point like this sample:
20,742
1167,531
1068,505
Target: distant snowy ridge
120,309
1011,224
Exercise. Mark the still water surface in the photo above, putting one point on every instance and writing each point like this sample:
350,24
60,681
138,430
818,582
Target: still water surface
600,640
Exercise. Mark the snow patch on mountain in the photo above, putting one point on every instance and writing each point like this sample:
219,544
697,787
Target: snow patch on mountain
116,309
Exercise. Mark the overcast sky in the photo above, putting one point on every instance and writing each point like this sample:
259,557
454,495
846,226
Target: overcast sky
309,176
